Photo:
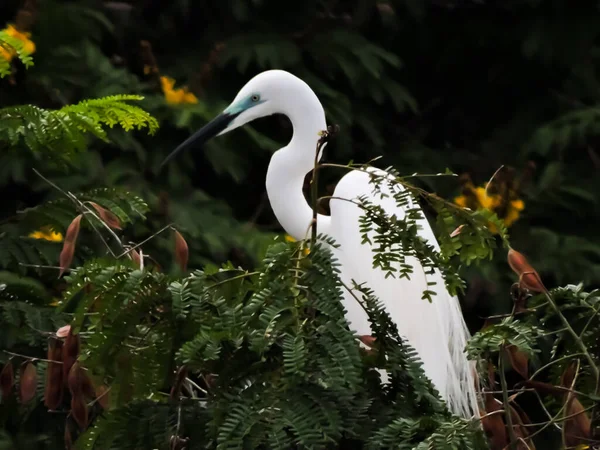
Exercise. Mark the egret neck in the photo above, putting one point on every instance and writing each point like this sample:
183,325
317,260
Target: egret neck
289,165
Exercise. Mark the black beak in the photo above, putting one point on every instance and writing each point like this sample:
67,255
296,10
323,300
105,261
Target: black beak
208,131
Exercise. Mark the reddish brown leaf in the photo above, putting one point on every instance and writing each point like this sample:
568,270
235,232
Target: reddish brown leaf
107,216
7,379
518,360
135,257
68,250
181,251
528,277
88,386
519,429
27,381
76,379
368,340
53,392
70,353
67,437
577,429
566,379
79,410
102,396
493,425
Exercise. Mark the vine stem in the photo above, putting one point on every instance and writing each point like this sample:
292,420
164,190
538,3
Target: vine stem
509,423
314,186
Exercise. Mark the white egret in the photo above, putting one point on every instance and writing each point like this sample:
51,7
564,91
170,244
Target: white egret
436,330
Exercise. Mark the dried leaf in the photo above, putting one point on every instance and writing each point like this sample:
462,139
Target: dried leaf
181,251
107,216
76,379
566,379
518,360
79,410
494,425
53,392
66,255
520,430
528,277
368,340
27,381
70,352
102,396
577,429
7,379
135,257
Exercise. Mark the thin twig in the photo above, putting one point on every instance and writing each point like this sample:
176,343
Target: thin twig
488,184
237,277
32,358
575,336
84,209
144,241
196,386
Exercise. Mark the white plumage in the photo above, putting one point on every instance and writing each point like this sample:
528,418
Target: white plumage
436,330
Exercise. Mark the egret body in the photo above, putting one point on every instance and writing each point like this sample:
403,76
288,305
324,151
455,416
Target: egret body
436,330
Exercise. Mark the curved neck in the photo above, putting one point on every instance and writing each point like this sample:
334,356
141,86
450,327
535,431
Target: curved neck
289,166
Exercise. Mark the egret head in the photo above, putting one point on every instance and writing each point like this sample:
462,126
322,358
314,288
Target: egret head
260,97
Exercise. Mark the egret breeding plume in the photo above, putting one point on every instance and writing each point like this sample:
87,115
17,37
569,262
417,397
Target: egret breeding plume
435,329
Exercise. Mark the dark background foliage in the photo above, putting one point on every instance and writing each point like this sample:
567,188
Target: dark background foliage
466,85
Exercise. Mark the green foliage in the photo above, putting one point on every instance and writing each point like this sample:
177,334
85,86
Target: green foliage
285,370
394,239
20,251
8,45
412,81
61,133
508,332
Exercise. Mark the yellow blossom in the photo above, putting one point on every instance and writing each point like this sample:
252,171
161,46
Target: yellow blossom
479,198
176,96
289,238
47,235
28,44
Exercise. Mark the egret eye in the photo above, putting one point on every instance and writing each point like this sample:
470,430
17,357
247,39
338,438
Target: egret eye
255,98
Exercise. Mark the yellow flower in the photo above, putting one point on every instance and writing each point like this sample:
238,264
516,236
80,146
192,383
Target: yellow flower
176,96
512,212
288,238
28,44
47,235
487,201
479,198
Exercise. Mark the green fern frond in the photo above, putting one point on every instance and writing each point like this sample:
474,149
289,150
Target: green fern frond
10,45
60,134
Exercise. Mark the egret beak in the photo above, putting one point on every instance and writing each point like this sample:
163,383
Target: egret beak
211,129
